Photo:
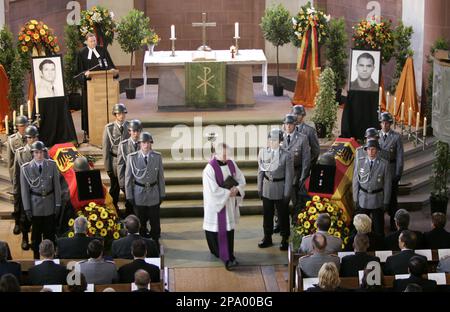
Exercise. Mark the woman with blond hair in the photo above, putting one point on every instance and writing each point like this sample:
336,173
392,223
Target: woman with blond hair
328,279
363,225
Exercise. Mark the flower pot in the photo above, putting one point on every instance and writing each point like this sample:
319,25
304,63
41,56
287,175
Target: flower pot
277,89
131,93
75,101
321,130
438,204
151,47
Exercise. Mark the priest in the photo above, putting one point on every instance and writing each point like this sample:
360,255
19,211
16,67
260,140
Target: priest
223,192
90,58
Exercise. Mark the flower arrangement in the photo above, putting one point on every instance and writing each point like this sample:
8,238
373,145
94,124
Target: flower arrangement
375,34
309,18
151,38
306,221
99,21
37,37
102,222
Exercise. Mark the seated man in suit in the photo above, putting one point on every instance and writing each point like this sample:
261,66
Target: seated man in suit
139,251
48,272
75,247
363,225
398,264
417,267
401,219
311,264
438,237
96,269
9,283
142,281
333,244
8,267
351,264
121,248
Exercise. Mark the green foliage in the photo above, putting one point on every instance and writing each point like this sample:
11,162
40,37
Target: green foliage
276,25
336,51
441,166
72,38
8,49
326,107
439,44
402,50
16,96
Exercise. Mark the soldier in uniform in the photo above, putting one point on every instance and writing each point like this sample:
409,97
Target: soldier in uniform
275,176
126,147
41,195
372,186
114,133
307,130
371,134
392,150
22,156
145,185
13,143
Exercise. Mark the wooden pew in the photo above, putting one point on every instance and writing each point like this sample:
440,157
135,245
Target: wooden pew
97,288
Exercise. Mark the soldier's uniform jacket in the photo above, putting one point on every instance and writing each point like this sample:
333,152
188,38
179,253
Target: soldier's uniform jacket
313,140
22,156
372,187
275,174
125,147
13,143
41,193
145,184
300,153
112,136
392,148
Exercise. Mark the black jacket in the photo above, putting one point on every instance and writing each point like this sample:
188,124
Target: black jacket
83,64
426,284
375,242
73,248
12,268
121,248
351,264
398,264
126,272
47,273
391,240
437,239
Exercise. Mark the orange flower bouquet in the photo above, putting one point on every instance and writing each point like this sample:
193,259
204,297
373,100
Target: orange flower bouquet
38,38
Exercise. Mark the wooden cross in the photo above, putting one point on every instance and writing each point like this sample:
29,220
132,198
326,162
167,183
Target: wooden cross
204,24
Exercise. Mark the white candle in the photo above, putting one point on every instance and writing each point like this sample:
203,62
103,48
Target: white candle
395,106
409,116
424,126
236,30
417,121
14,118
29,109
387,101
402,112
6,124
37,105
379,99
21,110
172,32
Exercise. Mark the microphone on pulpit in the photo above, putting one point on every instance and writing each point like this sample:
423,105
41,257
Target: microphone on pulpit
106,63
100,63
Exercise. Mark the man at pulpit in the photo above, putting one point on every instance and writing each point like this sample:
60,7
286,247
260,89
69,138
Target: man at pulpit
90,58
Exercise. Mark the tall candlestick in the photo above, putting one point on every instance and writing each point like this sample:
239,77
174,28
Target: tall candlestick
402,112
6,124
236,30
172,32
387,101
409,116
417,121
37,105
424,126
21,110
14,118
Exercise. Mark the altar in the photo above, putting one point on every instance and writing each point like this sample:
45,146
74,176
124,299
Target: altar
238,82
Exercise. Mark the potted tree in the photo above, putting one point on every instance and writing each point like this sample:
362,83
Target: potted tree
132,30
72,39
336,53
325,113
441,165
276,28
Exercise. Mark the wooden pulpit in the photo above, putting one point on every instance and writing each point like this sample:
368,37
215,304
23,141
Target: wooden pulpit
103,93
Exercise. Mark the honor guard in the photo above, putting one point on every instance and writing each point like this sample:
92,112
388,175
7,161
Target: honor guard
372,186
13,143
297,145
392,147
371,134
145,185
41,195
114,133
126,147
275,176
307,130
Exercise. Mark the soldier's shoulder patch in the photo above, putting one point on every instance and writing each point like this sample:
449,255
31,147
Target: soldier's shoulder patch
111,124
13,136
133,154
20,149
26,164
123,142
305,257
156,153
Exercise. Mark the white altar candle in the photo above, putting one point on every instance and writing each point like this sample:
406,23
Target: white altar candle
395,106
424,126
14,118
21,110
402,112
236,30
37,105
29,109
379,99
417,121
387,101
6,124
409,116
172,32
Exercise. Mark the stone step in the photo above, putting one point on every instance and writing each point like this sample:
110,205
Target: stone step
413,202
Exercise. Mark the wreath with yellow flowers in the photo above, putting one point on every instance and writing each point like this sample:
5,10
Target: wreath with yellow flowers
100,22
37,37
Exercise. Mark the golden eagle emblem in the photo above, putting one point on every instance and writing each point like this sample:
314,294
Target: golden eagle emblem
65,157
343,152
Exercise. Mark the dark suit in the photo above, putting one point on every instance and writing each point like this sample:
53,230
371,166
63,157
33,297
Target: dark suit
376,242
73,248
143,290
391,240
426,284
398,264
10,267
121,248
437,239
350,265
126,272
47,273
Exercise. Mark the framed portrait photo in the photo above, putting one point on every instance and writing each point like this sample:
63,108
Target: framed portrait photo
48,76
365,69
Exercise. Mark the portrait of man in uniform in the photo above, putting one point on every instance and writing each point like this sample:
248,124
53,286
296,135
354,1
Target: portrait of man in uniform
48,77
365,70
